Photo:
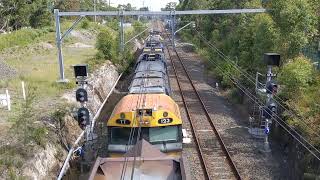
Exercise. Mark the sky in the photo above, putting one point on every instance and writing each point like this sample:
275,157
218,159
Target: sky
154,5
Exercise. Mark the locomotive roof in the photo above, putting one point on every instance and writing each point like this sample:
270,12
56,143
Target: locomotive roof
150,66
132,102
148,74
147,82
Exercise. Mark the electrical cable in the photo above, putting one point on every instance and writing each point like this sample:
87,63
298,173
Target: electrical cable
222,55
142,96
141,120
130,141
253,97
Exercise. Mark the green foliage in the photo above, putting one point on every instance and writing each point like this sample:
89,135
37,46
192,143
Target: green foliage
16,14
10,157
41,18
296,21
287,28
21,37
25,126
236,96
127,61
138,26
296,76
85,23
106,45
224,70
113,24
300,87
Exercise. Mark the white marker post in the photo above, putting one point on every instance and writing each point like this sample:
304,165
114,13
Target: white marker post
8,100
23,90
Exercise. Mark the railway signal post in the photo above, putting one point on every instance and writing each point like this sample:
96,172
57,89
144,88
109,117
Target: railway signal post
271,59
83,114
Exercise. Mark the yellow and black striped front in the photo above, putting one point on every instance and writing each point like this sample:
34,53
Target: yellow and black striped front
156,117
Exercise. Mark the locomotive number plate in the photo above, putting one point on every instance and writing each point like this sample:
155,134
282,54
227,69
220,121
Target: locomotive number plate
165,121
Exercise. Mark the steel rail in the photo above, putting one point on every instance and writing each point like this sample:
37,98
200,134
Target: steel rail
200,153
223,146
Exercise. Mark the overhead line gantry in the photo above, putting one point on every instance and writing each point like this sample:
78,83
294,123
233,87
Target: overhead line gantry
121,13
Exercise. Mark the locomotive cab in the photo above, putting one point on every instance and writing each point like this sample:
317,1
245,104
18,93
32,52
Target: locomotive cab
157,121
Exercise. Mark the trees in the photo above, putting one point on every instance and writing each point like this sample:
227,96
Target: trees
287,28
16,14
296,75
106,45
296,21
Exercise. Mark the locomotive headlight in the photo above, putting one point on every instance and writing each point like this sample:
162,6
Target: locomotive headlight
165,114
122,115
147,122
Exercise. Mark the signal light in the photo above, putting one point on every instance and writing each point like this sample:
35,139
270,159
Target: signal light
267,130
83,117
81,95
272,87
270,109
193,24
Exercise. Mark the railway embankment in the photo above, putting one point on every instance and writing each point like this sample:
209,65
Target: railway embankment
37,131
64,129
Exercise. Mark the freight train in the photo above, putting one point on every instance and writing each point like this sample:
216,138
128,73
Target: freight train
145,127
147,106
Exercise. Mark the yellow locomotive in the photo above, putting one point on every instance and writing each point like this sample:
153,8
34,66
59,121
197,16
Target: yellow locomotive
157,115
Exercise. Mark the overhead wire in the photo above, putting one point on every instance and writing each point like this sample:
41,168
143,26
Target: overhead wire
144,94
141,98
133,129
255,99
140,123
131,136
251,79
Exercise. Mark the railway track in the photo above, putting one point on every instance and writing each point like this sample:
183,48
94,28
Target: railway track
214,157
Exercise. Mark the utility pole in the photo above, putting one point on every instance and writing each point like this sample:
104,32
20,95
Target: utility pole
95,9
121,30
173,21
59,45
172,17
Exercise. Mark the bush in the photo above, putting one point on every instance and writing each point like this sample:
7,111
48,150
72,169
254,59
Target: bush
25,127
296,75
21,37
106,45
40,18
85,23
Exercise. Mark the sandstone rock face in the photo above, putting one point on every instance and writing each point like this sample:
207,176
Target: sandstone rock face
100,84
41,164
46,162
